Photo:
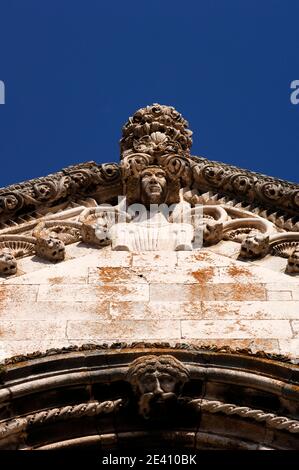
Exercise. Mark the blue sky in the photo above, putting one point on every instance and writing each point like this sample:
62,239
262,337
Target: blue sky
74,70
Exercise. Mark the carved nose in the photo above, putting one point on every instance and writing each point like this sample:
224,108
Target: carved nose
158,390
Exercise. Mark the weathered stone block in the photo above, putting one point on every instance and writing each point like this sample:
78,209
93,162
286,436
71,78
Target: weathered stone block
123,329
239,329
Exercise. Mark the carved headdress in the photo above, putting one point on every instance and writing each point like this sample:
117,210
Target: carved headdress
156,136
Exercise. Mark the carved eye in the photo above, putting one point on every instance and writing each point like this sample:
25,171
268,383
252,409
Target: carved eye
54,253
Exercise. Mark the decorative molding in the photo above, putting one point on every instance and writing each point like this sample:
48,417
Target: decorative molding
147,345
92,408
248,186
66,231
156,130
272,420
175,389
73,182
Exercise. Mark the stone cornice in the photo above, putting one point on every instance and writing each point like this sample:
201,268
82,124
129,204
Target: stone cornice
77,181
246,186
192,348
103,181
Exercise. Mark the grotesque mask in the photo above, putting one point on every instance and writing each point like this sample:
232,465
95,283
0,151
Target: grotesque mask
50,248
157,381
8,263
293,262
254,246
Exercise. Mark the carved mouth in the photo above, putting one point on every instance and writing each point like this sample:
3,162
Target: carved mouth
154,188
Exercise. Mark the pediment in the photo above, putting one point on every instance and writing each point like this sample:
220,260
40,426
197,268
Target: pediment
223,203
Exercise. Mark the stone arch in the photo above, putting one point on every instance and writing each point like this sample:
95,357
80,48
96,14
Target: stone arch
80,397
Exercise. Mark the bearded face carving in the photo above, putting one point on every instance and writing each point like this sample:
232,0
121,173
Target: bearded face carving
153,186
157,382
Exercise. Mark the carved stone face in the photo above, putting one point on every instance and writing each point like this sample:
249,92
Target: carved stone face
293,263
212,232
153,186
157,381
8,264
254,246
50,248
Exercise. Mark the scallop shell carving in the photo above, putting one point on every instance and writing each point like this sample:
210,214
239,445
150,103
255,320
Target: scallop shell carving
284,249
18,248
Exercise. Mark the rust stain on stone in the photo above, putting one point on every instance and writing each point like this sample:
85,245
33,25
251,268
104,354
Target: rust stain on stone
238,271
117,274
3,295
56,280
203,256
120,289
203,275
241,291
200,292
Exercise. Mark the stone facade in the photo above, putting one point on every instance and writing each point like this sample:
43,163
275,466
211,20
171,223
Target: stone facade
97,296
83,271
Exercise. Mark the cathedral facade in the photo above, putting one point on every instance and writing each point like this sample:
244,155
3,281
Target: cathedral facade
150,303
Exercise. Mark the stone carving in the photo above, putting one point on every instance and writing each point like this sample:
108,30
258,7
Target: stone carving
157,382
281,219
96,223
279,244
254,246
78,180
246,228
66,231
155,152
8,263
156,130
153,186
248,186
272,420
153,234
92,408
293,262
18,245
156,168
50,248
144,345
213,233
156,135
284,248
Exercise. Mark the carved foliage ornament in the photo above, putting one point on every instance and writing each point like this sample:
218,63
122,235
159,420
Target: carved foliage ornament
75,180
248,186
156,130
156,136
